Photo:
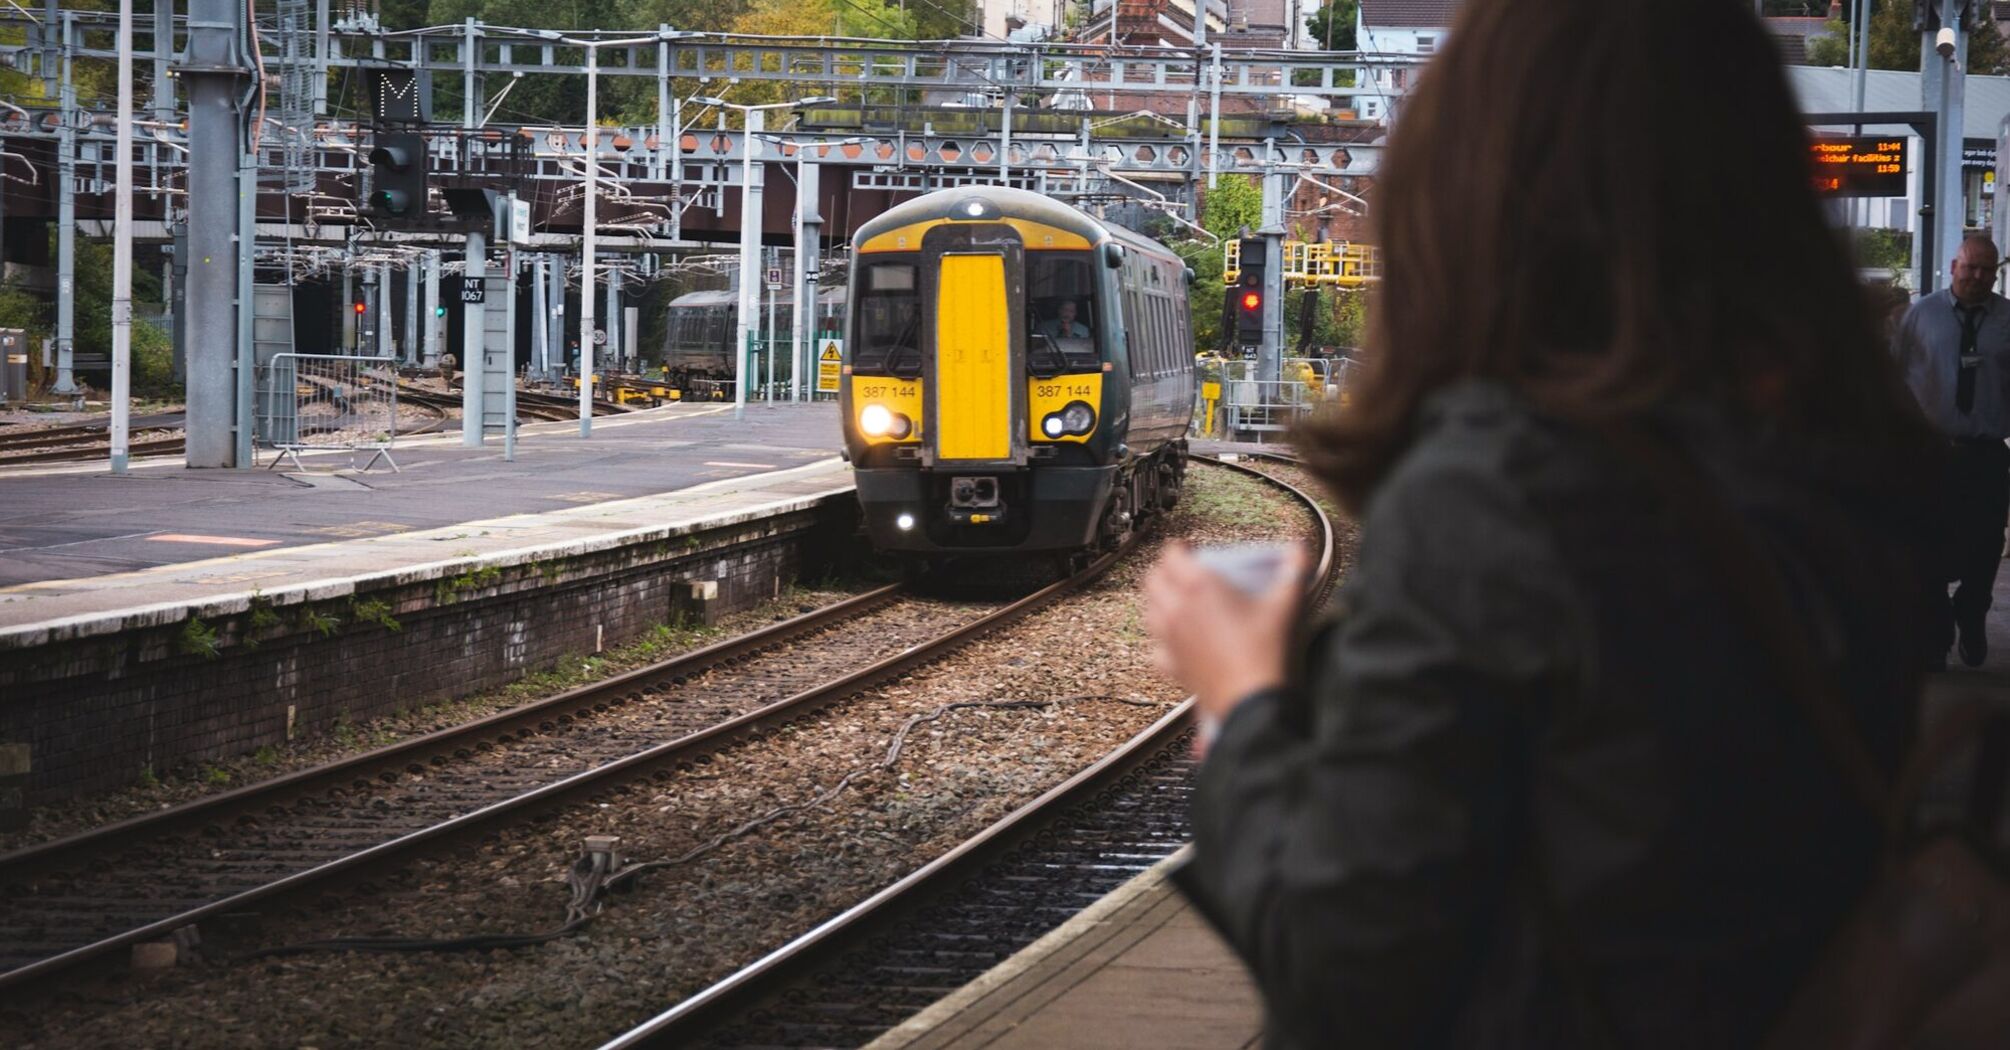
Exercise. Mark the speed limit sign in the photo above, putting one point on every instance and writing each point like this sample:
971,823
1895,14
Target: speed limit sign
600,337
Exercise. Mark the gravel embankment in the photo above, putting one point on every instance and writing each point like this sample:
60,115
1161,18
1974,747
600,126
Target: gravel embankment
1087,658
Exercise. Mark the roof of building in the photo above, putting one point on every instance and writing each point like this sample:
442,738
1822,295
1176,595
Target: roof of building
1826,89
1423,14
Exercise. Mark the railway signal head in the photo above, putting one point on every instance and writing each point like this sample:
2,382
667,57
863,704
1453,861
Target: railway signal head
362,307
398,176
1249,316
1250,290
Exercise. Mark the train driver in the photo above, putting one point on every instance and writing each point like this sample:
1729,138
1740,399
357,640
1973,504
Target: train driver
1063,325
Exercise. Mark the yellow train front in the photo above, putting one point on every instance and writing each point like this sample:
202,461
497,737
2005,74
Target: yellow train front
1018,375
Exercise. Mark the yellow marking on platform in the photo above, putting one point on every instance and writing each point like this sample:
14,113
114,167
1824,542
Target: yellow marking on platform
358,529
213,541
749,466
586,497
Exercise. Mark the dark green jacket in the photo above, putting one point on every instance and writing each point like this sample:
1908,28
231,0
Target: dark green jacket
1533,668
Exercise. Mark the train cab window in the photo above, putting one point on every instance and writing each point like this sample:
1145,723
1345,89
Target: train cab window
886,321
1062,324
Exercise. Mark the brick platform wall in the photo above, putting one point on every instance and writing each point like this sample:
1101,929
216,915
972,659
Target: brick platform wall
95,712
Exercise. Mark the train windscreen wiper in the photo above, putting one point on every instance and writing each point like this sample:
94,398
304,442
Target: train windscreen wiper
1044,357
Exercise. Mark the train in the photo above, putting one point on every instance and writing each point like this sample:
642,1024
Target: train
1017,377
699,330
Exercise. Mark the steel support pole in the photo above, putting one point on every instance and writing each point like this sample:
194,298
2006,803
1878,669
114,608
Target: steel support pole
122,248
677,169
666,138
1943,84
1005,140
245,244
1214,117
409,353
66,222
385,325
321,27
163,44
178,274
750,257
213,80
350,329
1270,353
772,262
809,226
473,323
429,350
588,222
540,327
613,322
557,319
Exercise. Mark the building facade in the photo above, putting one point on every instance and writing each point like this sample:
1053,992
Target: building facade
1399,27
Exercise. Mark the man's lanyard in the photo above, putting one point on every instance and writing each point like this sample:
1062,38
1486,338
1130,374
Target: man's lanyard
1971,358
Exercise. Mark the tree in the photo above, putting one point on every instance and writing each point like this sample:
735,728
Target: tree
1832,47
1333,26
1894,44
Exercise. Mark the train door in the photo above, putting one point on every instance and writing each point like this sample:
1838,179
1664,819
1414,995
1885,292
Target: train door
973,358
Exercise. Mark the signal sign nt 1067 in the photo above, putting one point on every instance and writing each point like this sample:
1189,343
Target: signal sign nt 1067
1859,167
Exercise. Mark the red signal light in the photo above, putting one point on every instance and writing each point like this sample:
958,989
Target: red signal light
360,307
1252,300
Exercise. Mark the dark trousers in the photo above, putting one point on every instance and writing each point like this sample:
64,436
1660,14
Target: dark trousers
1977,500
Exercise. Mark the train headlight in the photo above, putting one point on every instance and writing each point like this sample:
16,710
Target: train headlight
904,522
1077,419
881,421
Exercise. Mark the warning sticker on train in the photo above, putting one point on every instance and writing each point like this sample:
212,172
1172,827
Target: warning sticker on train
827,366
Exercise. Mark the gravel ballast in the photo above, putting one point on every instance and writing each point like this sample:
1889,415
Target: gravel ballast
1085,659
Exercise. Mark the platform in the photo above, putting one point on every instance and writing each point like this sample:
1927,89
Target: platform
173,616
1138,969
75,521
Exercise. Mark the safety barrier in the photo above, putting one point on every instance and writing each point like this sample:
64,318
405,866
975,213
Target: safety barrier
327,402
1231,402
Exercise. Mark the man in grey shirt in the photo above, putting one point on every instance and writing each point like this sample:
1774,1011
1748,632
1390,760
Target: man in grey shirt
1954,348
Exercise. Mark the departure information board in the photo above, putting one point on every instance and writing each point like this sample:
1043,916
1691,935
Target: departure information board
1860,166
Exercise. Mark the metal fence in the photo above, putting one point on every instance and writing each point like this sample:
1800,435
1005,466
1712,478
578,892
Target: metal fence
327,402
1232,403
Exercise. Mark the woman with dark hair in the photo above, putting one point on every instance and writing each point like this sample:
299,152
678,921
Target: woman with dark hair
1537,784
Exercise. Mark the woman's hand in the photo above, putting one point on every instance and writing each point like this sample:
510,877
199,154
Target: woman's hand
1216,640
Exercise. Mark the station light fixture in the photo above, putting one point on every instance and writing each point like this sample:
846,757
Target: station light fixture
905,522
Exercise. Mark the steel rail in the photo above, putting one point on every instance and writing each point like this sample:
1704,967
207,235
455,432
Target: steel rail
683,1023
519,807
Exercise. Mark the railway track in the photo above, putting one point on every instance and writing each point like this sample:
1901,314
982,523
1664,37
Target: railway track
866,970
89,440
529,404
82,898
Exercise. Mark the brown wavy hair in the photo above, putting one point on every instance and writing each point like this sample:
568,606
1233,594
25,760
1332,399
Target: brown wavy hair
1604,204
